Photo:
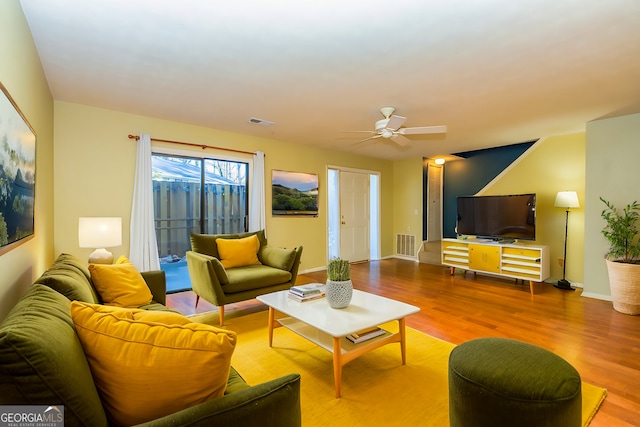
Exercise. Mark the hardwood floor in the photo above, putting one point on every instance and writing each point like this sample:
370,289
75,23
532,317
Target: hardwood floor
602,344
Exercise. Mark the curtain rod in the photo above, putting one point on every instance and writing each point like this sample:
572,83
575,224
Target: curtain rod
191,144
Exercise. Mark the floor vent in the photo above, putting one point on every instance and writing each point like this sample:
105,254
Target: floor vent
406,245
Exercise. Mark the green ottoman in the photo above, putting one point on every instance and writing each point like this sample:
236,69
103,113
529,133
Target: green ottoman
497,382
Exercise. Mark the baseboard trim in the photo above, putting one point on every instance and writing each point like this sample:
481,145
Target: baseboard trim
597,296
408,258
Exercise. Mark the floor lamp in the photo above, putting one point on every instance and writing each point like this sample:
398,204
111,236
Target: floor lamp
567,200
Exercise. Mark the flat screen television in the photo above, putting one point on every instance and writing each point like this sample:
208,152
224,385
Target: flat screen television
508,217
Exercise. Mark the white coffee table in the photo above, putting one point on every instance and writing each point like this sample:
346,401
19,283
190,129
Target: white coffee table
328,327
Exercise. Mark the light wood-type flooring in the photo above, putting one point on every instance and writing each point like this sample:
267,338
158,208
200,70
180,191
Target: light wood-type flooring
602,344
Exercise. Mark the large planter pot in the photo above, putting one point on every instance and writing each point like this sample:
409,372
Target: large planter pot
624,280
339,294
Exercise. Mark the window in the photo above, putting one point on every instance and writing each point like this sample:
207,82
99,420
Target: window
195,195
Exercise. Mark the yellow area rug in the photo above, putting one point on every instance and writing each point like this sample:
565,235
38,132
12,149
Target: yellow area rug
377,390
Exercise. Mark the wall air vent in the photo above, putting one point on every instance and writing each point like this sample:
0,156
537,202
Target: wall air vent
260,122
406,245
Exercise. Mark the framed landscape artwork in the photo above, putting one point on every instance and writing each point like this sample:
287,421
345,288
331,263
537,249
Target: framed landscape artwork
17,174
294,193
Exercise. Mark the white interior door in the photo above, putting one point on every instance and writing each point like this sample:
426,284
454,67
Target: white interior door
354,216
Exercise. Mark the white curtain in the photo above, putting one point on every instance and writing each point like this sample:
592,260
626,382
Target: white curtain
257,216
143,246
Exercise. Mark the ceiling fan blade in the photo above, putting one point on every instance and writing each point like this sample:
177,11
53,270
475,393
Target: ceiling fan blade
401,140
423,130
367,139
357,131
395,122
354,134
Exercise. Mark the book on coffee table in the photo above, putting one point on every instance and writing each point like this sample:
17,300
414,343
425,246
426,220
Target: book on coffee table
367,334
308,289
305,298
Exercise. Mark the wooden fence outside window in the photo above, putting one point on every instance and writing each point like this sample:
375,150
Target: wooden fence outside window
177,213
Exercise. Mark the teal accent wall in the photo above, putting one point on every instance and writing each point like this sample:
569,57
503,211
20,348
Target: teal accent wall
472,173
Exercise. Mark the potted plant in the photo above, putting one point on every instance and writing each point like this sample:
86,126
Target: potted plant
623,264
339,287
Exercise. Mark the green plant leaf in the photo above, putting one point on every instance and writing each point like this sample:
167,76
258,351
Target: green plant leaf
339,270
621,231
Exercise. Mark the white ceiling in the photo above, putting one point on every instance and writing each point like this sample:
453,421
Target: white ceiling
497,72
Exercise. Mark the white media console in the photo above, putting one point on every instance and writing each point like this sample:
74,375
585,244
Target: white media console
515,260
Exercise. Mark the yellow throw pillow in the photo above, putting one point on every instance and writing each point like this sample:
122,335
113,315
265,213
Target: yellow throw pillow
120,284
148,364
238,252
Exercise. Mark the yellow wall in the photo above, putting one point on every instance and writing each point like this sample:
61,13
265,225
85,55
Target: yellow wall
552,164
95,166
407,198
21,74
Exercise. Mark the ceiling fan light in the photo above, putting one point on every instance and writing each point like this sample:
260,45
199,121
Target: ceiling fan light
387,133
387,111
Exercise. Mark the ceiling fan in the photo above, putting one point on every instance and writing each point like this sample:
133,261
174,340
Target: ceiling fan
391,128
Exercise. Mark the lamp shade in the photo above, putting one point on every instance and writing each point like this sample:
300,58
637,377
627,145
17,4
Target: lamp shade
100,232
567,199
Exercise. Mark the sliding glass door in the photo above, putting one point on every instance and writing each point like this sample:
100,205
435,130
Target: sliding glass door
195,195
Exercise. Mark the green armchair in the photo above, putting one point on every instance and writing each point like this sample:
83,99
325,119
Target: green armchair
278,270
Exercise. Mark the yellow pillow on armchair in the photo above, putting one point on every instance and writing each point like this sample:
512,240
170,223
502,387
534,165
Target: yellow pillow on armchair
238,252
148,364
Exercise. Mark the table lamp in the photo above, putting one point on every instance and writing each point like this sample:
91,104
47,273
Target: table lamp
100,233
567,200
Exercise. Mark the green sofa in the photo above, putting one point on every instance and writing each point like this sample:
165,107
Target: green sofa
210,280
42,361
